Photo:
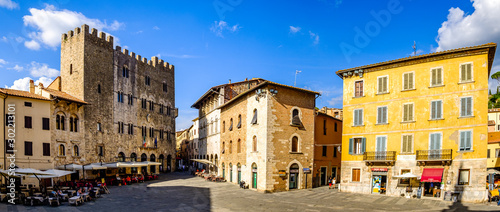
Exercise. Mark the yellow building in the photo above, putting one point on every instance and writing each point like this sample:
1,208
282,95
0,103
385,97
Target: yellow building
493,150
426,115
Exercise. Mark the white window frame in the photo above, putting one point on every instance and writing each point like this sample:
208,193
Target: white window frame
471,106
360,145
376,143
440,139
378,78
430,112
403,112
442,77
412,143
471,139
386,115
354,88
471,72
360,174
354,117
403,80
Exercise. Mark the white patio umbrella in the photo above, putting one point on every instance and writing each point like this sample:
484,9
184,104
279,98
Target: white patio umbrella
406,175
94,166
119,165
149,163
493,171
71,166
5,173
58,173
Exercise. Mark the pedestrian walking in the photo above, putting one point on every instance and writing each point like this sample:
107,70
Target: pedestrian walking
333,182
330,183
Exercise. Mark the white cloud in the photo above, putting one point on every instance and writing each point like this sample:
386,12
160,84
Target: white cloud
336,101
156,28
49,23
294,30
17,68
220,26
42,70
33,45
467,30
315,37
2,61
4,39
9,4
19,39
24,83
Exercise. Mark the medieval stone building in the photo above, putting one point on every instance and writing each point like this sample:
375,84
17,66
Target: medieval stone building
131,101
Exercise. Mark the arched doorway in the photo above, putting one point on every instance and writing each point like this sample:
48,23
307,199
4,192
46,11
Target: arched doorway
230,172
254,175
239,172
133,158
294,176
144,169
216,165
169,163
161,158
152,158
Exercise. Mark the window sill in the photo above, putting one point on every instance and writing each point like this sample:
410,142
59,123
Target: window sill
358,125
465,117
355,97
357,154
465,151
436,119
61,156
406,153
382,93
382,124
298,153
466,82
436,86
413,89
407,122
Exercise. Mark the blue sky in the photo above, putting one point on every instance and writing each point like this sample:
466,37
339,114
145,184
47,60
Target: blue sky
211,42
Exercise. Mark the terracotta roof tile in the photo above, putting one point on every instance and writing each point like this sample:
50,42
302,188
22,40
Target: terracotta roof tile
20,93
63,95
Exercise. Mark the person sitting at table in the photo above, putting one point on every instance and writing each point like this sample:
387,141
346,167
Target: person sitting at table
128,179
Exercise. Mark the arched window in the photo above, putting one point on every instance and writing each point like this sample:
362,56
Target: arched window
238,148
70,69
239,121
144,157
231,124
76,151
121,157
254,144
71,124
223,147
295,112
223,126
58,122
296,118
295,144
75,124
230,147
211,158
152,158
62,150
133,157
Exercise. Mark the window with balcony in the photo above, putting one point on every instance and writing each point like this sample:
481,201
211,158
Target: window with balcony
357,146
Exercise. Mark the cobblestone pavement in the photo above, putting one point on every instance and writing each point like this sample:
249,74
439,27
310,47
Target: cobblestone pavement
182,192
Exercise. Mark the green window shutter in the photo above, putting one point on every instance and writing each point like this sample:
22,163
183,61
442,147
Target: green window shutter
462,140
462,107
360,121
468,140
355,120
351,144
462,73
469,71
469,106
363,145
433,142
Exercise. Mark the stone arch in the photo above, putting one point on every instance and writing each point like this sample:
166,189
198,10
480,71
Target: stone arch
301,174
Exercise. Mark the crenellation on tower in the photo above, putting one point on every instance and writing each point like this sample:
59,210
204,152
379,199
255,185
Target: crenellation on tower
132,54
102,35
145,60
125,51
118,48
70,33
94,32
77,30
138,58
154,60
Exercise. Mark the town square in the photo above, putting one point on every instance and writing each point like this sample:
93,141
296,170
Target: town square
233,105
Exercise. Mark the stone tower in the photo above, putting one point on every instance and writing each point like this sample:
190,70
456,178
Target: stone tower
131,100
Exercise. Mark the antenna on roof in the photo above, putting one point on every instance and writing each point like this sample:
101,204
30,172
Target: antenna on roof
295,83
414,48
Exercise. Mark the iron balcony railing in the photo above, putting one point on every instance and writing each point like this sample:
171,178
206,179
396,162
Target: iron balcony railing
380,156
434,154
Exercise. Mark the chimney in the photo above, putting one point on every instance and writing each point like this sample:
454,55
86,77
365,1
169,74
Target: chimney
229,81
40,85
32,86
246,79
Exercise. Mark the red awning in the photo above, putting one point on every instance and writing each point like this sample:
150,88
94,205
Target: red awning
432,175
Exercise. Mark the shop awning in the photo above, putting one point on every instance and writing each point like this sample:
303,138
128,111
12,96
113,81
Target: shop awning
432,175
202,161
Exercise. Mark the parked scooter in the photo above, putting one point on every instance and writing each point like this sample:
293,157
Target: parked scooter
243,185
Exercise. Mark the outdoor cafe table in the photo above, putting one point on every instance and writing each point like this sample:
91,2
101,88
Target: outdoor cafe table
72,192
64,188
85,196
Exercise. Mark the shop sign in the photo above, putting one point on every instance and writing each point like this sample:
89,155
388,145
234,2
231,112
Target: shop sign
307,170
294,171
239,169
282,173
254,170
379,169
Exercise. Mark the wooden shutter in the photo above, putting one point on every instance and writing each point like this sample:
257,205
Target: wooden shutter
405,113
409,143
438,109
405,81
355,120
410,80
363,145
351,145
384,114
404,144
433,110
462,140
433,77
380,84
469,106
360,121
360,88
432,146
462,107
379,115
439,76
378,145
468,72
468,140
462,73
384,84
410,112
